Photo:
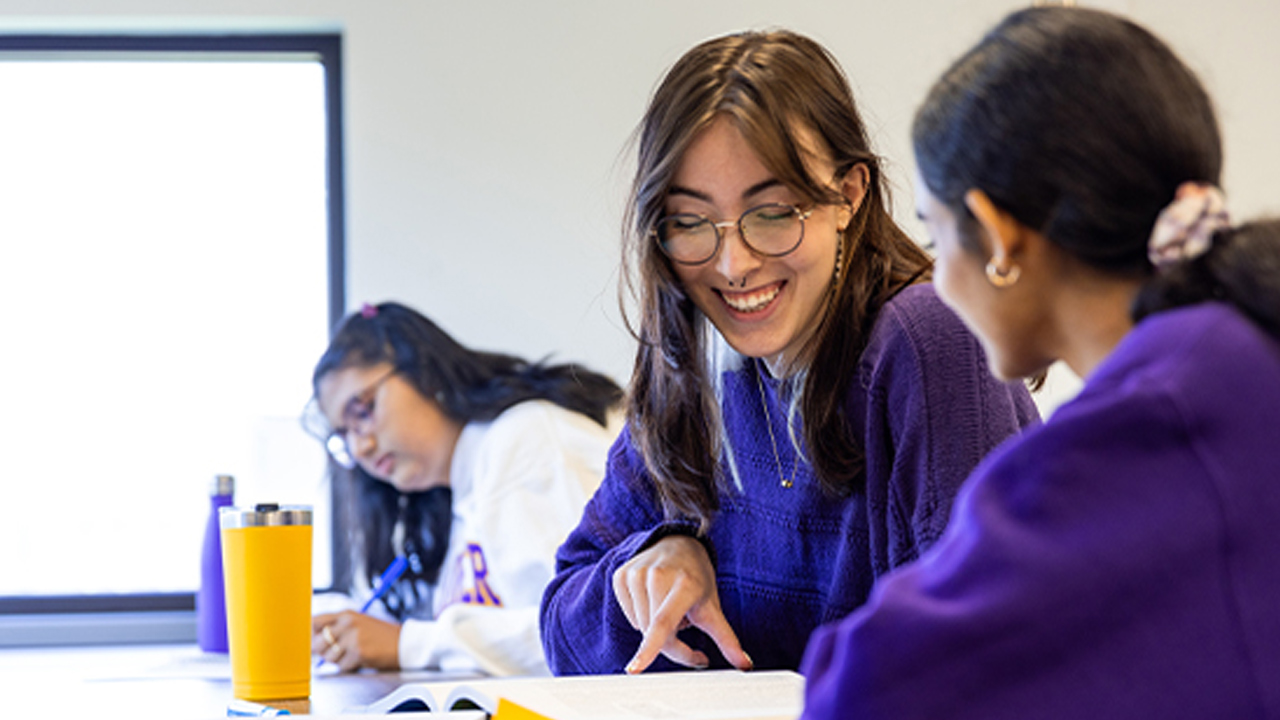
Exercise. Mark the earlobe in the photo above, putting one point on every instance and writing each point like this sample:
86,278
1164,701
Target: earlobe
1004,232
854,188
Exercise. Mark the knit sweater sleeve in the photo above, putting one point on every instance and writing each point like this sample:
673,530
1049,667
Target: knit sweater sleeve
933,411
583,629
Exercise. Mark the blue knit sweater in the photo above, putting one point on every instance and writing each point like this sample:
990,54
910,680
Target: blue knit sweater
788,559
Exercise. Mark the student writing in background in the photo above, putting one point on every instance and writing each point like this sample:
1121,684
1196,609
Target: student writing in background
1120,561
474,466
802,408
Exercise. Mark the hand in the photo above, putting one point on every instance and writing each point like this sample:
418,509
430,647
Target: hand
667,588
354,641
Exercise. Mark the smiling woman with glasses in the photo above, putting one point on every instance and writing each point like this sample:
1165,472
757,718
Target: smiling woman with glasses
473,466
802,408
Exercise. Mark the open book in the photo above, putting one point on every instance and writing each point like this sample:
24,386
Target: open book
689,695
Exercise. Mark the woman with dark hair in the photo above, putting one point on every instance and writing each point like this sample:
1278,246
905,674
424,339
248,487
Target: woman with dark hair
802,407
1121,560
472,466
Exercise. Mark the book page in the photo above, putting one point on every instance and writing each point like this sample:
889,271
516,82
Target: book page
452,715
482,695
411,696
693,695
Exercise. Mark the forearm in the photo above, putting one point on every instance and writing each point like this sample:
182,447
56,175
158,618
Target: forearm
583,628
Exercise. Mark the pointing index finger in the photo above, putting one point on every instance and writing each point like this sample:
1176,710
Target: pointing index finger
664,623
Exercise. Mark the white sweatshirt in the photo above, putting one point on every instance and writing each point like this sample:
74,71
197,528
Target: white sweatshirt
519,485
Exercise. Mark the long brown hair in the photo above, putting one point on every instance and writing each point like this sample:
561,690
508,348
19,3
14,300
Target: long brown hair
770,84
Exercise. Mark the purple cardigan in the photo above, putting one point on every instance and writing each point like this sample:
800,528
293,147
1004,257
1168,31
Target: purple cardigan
1120,561
789,559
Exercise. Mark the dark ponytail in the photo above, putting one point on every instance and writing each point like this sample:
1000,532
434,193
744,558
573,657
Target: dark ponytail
1084,127
1080,124
469,385
1242,267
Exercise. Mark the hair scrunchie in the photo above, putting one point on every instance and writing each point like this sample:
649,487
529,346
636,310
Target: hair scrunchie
1185,228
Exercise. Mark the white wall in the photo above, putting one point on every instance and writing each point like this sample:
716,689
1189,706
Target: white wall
485,140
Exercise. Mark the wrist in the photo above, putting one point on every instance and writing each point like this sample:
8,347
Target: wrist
678,529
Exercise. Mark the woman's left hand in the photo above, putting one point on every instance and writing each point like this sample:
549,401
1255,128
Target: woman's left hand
352,640
669,587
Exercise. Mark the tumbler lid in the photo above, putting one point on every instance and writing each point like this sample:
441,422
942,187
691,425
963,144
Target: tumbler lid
264,514
223,485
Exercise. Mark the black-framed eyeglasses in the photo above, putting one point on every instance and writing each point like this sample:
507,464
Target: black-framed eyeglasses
356,418
772,230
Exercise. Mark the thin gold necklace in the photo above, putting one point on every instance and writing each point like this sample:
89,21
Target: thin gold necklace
773,442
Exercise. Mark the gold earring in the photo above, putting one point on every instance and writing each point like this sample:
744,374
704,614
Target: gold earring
835,275
1002,277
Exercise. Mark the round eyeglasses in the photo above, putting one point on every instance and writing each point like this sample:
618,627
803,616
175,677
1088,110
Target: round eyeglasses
357,419
772,230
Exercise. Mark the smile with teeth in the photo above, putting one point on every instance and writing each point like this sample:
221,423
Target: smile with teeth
753,301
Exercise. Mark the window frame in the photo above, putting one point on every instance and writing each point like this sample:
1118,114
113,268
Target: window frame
170,617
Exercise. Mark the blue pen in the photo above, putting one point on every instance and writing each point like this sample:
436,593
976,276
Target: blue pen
380,588
388,578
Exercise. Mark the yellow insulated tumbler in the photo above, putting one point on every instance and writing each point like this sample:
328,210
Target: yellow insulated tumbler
266,562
